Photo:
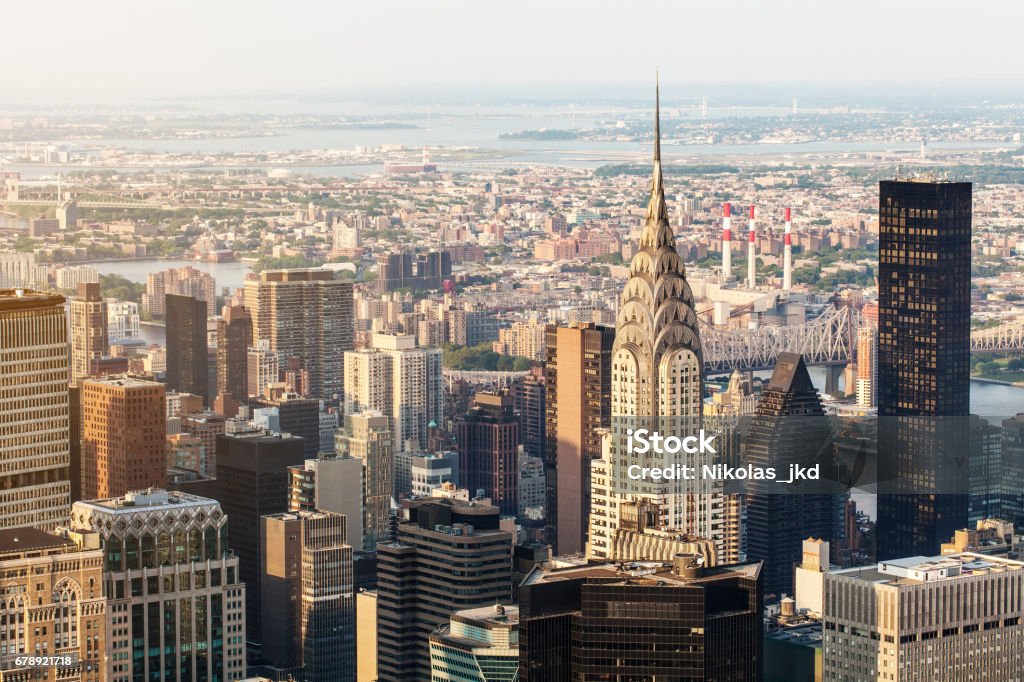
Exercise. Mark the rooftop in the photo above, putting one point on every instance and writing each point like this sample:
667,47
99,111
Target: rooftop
16,540
651,573
917,570
23,299
139,500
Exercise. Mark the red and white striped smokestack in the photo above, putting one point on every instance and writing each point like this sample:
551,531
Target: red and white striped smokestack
787,256
752,252
726,241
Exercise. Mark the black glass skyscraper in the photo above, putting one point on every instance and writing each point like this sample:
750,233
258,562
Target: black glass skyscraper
789,427
924,316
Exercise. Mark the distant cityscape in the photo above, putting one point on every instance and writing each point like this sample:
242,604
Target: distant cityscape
365,412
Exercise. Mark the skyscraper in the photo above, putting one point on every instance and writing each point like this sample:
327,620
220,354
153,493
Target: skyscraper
175,601
187,350
479,645
657,383
487,439
123,436
252,481
641,621
400,380
88,329
308,598
448,555
367,438
924,317
528,401
234,337
331,484
788,426
942,618
262,366
577,377
305,314
34,409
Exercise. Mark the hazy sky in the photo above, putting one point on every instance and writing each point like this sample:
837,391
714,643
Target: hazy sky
118,47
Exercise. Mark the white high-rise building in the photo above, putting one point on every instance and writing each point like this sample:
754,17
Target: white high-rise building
263,366
402,381
19,270
657,383
927,619
867,366
123,321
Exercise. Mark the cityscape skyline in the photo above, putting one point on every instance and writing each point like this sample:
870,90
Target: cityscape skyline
380,427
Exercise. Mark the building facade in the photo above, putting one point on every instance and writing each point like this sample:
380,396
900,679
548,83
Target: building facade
940,618
187,348
577,376
252,481
175,599
35,444
305,314
367,438
641,621
123,436
89,336
487,440
478,645
924,319
448,555
234,337
308,598
52,605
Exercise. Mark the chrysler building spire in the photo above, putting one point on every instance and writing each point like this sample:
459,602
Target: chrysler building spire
657,231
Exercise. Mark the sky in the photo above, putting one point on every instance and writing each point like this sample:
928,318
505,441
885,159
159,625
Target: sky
122,48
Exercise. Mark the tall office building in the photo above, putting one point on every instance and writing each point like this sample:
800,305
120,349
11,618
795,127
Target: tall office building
657,383
641,621
34,409
478,645
528,401
234,337
53,605
308,596
367,438
577,377
252,481
206,426
331,484
187,349
924,318
941,618
305,314
184,281
400,380
789,426
448,555
415,271
263,367
487,440
123,436
88,329
175,601
1012,479
295,415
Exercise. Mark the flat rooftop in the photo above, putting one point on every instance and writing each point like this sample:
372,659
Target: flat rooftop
140,500
16,540
642,573
917,570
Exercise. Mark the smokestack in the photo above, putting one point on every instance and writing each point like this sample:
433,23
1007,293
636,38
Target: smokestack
752,252
727,241
787,257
